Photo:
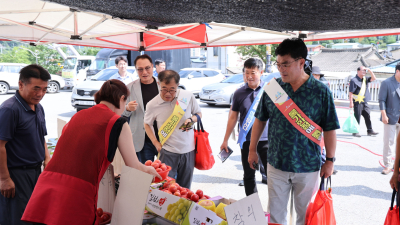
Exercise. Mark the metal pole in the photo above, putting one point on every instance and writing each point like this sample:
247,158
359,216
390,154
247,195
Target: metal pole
268,67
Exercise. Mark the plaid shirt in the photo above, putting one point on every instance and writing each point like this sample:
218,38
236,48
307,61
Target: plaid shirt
289,150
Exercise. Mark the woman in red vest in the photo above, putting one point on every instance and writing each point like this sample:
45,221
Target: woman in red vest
66,192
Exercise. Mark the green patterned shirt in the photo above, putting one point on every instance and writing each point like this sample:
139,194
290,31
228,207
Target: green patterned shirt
289,150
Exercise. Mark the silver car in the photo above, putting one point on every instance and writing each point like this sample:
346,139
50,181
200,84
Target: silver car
222,93
82,94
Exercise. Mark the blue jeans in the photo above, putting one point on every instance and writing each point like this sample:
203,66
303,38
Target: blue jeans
148,152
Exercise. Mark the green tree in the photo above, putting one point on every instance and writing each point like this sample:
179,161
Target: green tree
389,39
89,51
15,55
353,40
259,51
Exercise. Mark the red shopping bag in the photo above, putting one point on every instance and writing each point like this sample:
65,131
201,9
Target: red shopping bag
392,217
320,211
204,155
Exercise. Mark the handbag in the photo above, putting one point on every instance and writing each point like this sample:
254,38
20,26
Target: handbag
392,217
320,211
351,125
204,155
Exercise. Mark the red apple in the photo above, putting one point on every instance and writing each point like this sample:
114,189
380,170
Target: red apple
157,161
164,168
148,163
99,212
177,193
184,196
194,198
190,193
165,185
159,170
199,193
155,165
184,192
207,197
173,188
163,164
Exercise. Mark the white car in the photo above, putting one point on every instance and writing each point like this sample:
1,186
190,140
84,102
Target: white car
194,79
82,94
9,77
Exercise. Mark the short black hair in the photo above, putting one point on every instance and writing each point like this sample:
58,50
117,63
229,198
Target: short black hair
119,58
158,61
144,56
398,67
167,75
253,63
33,71
294,47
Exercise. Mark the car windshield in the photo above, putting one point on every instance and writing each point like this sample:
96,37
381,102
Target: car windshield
69,64
234,79
107,74
98,64
185,73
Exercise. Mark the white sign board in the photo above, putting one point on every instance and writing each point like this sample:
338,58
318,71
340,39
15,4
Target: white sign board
247,211
132,197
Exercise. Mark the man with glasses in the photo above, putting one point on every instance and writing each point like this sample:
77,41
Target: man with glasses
359,96
122,64
172,109
298,109
142,91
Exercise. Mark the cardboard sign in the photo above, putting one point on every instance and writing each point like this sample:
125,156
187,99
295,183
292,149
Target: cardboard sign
132,195
169,206
107,191
247,211
198,215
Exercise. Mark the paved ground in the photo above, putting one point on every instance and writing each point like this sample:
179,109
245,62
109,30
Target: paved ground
361,194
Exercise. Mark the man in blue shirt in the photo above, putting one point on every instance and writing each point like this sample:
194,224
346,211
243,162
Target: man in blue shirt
160,66
294,160
22,145
242,101
389,104
122,63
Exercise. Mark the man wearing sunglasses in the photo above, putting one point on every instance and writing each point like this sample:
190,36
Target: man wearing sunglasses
142,91
298,109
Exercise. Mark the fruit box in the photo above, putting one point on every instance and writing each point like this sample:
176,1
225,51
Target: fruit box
168,206
198,215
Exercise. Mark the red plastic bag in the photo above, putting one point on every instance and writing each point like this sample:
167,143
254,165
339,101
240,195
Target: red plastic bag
392,217
204,155
320,212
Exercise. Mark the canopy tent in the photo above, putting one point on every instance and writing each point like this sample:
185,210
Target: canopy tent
160,25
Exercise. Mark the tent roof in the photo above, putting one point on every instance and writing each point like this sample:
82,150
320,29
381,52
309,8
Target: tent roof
278,15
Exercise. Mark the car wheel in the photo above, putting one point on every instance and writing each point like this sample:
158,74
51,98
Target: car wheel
53,87
210,104
3,88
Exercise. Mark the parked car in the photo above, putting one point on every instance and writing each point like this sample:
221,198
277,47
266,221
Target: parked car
82,94
9,77
193,79
222,93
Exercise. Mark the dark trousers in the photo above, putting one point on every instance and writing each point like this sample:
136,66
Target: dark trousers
11,209
362,109
182,166
148,152
249,177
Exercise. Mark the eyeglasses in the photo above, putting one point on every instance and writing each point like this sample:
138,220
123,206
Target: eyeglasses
284,65
164,91
148,69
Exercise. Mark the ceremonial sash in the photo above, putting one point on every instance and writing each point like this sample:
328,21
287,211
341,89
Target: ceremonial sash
170,124
361,95
249,120
293,113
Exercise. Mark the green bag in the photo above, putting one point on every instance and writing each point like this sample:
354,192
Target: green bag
351,125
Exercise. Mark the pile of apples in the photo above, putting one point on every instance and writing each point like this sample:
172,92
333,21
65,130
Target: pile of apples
157,164
175,189
103,216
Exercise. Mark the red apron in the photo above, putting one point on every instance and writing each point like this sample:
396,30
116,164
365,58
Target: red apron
66,192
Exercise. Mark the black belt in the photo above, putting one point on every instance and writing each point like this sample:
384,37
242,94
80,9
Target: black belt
35,166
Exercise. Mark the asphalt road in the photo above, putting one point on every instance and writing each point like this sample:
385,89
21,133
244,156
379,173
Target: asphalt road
361,194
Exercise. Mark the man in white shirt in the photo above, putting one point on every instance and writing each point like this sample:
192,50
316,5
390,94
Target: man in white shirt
122,64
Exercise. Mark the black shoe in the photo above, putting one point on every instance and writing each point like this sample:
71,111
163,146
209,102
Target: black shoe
356,135
335,172
241,183
264,181
370,133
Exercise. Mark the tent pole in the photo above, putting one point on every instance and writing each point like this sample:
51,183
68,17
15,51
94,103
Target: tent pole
94,25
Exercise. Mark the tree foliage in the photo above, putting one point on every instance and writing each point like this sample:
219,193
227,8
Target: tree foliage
89,51
258,51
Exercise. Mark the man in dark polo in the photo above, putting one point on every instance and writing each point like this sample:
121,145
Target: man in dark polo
22,145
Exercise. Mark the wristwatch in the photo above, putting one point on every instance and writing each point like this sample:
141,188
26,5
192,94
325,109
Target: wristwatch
331,159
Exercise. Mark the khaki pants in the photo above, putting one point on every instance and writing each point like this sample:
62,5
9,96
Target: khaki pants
390,133
280,184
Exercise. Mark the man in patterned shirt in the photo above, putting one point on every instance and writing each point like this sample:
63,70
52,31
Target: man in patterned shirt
294,161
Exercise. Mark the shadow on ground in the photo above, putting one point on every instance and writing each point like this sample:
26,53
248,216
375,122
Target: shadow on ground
361,190
357,168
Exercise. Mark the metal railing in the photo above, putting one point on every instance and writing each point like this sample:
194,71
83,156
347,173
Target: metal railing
340,88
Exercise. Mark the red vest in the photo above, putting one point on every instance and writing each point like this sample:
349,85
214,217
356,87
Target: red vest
66,192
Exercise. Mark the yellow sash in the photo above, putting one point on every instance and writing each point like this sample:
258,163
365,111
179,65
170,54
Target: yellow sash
170,124
360,97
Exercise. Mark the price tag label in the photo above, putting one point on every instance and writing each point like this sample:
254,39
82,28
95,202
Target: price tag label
247,211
